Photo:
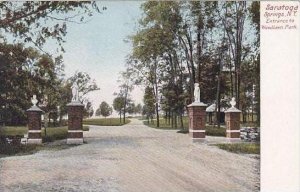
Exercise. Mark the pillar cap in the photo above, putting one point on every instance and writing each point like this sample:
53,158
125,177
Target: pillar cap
75,103
197,104
232,110
35,108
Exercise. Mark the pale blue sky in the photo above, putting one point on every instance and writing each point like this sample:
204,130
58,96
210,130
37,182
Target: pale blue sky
98,48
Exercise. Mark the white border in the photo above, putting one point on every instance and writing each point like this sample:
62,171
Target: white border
280,131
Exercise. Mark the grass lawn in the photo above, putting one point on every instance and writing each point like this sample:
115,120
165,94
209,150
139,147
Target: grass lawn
210,130
248,148
105,122
53,133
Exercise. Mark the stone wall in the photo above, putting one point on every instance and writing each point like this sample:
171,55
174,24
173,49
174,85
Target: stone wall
250,134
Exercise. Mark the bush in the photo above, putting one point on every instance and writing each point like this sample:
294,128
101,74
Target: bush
215,131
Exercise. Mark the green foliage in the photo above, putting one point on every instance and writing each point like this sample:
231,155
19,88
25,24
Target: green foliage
88,110
105,109
105,122
23,73
215,131
248,148
180,43
118,104
39,21
149,103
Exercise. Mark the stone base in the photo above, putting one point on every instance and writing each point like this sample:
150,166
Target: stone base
74,141
197,134
34,141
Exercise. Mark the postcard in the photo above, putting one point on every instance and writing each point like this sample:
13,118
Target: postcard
138,96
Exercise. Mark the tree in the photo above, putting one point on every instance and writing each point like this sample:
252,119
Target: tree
180,43
105,109
125,88
149,103
25,72
88,110
130,108
118,105
30,21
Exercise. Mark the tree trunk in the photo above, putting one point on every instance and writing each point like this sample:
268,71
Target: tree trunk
181,121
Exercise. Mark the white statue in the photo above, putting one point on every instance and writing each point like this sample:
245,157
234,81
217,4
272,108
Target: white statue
196,92
34,101
233,102
75,92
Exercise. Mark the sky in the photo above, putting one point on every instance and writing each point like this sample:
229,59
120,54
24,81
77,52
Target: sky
98,48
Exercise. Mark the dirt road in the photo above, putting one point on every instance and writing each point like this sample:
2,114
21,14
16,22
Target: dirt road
131,158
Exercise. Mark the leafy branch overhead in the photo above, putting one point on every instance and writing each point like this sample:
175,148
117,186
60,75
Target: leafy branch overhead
39,21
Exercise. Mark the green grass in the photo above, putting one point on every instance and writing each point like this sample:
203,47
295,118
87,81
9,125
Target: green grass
53,133
105,122
215,131
13,130
210,130
162,124
247,148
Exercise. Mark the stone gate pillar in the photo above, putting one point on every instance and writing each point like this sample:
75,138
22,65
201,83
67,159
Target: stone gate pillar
34,114
75,115
232,119
197,116
197,120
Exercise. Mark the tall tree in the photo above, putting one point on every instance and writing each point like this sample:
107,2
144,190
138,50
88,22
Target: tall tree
149,103
119,105
105,109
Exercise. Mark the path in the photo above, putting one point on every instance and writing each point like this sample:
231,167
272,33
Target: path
131,158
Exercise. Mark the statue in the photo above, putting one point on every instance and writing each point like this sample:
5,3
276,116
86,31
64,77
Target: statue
196,92
34,101
75,92
233,102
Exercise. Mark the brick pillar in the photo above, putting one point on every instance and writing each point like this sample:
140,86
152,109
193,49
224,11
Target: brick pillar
232,119
75,115
34,125
197,120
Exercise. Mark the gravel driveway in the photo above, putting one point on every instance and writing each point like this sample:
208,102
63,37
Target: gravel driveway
131,158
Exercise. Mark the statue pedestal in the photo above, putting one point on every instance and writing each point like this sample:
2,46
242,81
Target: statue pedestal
75,115
232,119
34,125
197,119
